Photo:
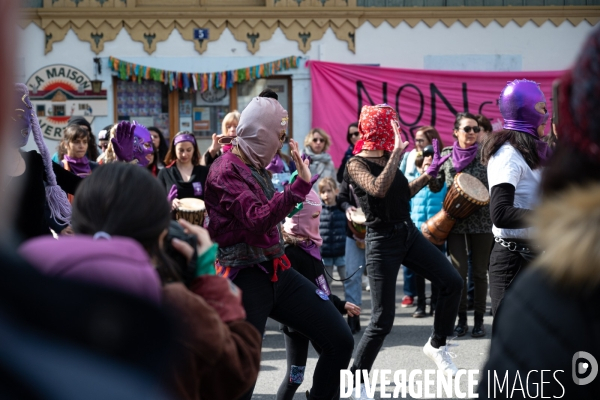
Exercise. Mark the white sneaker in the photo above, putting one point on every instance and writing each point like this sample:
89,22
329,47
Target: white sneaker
363,394
441,357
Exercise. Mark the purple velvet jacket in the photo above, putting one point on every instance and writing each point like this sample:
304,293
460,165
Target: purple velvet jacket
238,209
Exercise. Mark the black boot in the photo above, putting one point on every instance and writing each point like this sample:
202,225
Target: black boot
478,328
462,327
354,324
420,311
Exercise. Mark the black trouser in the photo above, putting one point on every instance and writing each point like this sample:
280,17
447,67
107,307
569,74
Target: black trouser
386,249
293,301
480,245
296,350
505,265
420,285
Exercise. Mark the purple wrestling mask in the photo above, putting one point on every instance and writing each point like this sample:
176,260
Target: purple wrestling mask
142,144
518,102
21,116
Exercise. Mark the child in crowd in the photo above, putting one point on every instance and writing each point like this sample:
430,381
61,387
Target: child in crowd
72,151
332,229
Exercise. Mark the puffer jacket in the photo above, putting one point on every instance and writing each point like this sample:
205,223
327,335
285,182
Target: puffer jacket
425,204
550,314
333,231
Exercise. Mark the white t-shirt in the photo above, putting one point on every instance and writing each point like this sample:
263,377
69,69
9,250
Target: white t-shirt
509,166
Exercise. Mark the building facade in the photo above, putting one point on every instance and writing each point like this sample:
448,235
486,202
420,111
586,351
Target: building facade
210,36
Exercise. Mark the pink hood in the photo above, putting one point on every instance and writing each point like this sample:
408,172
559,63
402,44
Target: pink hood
119,263
305,223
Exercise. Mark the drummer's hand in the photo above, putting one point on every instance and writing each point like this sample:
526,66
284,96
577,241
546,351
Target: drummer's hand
204,241
301,165
399,145
349,211
352,309
175,204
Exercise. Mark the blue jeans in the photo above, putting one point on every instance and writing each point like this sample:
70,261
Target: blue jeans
355,258
387,248
409,287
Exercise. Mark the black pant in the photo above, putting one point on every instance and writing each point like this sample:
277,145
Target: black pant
420,284
386,249
293,301
505,265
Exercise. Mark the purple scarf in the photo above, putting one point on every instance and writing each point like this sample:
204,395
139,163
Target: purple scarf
79,166
311,248
463,157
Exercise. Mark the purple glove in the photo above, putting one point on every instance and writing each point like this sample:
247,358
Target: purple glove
306,157
123,141
172,194
437,162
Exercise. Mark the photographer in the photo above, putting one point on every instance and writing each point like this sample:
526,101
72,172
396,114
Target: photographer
120,236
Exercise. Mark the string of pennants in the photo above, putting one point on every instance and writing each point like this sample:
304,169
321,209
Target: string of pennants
199,82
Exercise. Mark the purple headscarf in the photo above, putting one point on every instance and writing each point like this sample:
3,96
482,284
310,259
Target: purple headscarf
261,125
517,106
60,208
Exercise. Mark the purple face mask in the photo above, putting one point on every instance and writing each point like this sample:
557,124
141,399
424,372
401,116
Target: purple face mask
517,106
21,118
142,144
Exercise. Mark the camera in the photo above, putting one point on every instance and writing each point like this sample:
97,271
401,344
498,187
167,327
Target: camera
184,269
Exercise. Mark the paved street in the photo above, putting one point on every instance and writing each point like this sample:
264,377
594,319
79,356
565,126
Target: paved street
401,350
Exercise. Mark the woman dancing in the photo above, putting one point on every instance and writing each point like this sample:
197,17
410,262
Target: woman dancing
245,213
392,239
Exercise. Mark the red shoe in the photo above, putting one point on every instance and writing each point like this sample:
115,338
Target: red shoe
407,301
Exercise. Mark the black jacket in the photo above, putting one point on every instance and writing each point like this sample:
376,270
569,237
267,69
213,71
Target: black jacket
171,176
31,218
333,231
344,200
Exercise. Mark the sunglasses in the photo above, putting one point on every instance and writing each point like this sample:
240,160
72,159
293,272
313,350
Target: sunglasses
355,134
467,129
319,140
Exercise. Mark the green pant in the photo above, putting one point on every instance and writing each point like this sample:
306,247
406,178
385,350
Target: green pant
480,247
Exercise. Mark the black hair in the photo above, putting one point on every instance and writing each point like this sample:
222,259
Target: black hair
140,212
484,122
568,167
463,115
269,93
523,142
163,147
352,125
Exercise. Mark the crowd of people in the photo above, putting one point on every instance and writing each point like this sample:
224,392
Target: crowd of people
268,230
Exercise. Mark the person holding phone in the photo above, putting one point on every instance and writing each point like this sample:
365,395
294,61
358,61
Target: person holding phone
222,143
392,239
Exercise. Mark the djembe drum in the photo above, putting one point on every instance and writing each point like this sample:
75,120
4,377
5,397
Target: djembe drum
192,210
358,227
464,197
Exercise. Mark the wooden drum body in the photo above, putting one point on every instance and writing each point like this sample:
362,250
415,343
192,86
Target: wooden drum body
464,197
192,210
358,227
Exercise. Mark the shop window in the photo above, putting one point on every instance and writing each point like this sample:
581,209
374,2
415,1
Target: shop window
146,103
40,110
203,113
58,111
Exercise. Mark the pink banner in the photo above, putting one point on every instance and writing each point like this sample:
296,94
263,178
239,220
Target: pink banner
420,97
